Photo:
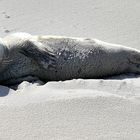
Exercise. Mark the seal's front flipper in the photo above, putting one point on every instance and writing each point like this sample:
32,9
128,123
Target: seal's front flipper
35,50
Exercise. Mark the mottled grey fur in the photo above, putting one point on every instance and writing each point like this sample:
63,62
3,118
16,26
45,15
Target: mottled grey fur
60,58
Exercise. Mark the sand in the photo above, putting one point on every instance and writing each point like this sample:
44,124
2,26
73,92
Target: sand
75,109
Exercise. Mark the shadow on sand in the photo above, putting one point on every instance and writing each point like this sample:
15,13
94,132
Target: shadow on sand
4,91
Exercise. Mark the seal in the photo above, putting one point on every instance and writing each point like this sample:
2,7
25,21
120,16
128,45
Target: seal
51,58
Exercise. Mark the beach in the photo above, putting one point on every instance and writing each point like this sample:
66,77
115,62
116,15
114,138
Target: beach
78,109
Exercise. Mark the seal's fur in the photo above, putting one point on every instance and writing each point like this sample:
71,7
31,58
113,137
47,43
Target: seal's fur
61,58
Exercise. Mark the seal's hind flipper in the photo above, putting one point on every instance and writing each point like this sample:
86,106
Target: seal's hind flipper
39,53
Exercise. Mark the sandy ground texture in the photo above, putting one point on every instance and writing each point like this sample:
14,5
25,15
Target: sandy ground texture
76,109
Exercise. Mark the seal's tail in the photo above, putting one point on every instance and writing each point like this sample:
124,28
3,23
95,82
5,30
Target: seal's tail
134,61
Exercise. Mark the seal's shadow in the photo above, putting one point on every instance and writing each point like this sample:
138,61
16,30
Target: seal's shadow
4,91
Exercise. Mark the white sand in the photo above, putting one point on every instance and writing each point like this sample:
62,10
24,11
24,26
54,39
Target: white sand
76,109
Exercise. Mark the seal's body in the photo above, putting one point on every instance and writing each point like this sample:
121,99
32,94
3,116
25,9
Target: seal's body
60,58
